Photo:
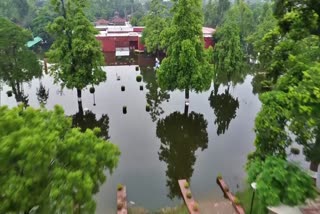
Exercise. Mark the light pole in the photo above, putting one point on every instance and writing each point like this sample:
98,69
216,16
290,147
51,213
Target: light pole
254,187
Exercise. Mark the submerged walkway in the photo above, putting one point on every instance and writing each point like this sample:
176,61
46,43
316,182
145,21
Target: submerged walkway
223,206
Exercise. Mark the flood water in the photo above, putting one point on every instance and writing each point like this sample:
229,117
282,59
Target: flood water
166,144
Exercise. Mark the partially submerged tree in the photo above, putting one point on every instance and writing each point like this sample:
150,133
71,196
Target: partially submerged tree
291,111
215,11
18,64
76,53
228,54
187,65
48,166
155,22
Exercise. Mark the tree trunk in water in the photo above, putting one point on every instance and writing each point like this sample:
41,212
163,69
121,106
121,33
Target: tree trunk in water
215,88
186,109
314,166
79,101
186,104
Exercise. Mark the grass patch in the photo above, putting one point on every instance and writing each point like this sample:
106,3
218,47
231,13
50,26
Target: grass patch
245,197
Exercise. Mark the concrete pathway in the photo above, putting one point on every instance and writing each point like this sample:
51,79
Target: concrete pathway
223,206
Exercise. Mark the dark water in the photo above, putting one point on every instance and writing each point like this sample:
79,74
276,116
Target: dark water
165,144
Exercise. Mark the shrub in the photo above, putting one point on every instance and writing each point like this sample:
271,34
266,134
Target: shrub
139,78
119,205
119,187
219,176
189,195
147,107
295,151
186,185
92,90
236,201
195,207
124,109
9,93
123,88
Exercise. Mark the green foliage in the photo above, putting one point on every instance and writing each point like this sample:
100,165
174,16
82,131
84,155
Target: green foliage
295,151
119,187
298,18
17,63
47,164
195,207
20,12
189,195
228,55
105,8
237,201
214,12
267,23
279,181
45,15
242,16
138,78
186,185
292,61
186,65
270,123
76,53
155,22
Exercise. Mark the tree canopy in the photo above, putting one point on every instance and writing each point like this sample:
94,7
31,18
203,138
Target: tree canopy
186,65
214,12
155,22
291,110
48,166
76,53
17,63
279,181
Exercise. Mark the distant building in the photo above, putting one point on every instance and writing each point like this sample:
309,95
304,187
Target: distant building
120,37
101,22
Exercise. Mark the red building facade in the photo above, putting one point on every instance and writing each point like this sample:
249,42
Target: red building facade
118,38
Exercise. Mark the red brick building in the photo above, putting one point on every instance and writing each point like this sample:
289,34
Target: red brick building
121,38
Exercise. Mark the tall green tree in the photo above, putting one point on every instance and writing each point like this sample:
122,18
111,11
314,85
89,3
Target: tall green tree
155,22
215,11
267,23
18,64
290,112
76,53
186,66
241,14
47,166
228,54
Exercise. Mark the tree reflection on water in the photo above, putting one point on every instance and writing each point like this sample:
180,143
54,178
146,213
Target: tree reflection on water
181,136
225,107
88,120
